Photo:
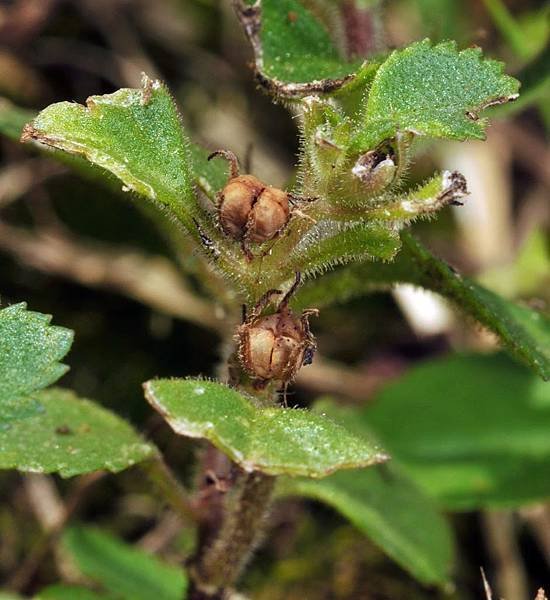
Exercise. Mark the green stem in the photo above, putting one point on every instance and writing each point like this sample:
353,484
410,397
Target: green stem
169,488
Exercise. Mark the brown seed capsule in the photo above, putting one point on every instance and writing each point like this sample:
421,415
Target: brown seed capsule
249,210
274,347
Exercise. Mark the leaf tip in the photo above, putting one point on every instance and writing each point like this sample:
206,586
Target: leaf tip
148,86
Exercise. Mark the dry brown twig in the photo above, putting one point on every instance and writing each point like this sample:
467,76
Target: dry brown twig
156,282
486,586
149,279
501,538
541,594
53,528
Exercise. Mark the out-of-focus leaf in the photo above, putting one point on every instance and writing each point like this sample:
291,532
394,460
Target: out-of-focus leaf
508,26
522,331
13,119
471,430
387,507
70,436
135,134
526,38
528,274
293,49
30,354
434,91
121,569
535,83
9,596
70,592
443,19
275,441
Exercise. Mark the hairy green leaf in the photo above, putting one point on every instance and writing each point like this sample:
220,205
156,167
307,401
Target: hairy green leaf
471,430
293,49
135,134
328,243
127,573
387,506
434,91
272,440
30,354
522,331
68,435
209,176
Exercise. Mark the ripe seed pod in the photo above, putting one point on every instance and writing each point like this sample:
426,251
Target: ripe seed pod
249,210
276,346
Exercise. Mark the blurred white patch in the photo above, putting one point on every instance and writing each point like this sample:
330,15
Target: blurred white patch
426,312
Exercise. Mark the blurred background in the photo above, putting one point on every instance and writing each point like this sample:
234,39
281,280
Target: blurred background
83,253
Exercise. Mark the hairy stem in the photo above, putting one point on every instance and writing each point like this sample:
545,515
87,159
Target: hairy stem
246,508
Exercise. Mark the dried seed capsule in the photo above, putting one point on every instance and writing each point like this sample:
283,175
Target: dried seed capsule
274,347
237,200
250,211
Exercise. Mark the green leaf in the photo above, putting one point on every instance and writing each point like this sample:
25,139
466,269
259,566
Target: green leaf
434,91
509,27
272,440
471,430
329,242
30,351
210,175
70,592
442,19
68,435
390,510
387,506
135,134
294,52
528,274
523,331
122,570
9,596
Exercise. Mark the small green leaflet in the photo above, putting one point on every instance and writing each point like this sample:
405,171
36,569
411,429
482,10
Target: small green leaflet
435,91
30,353
293,48
272,440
